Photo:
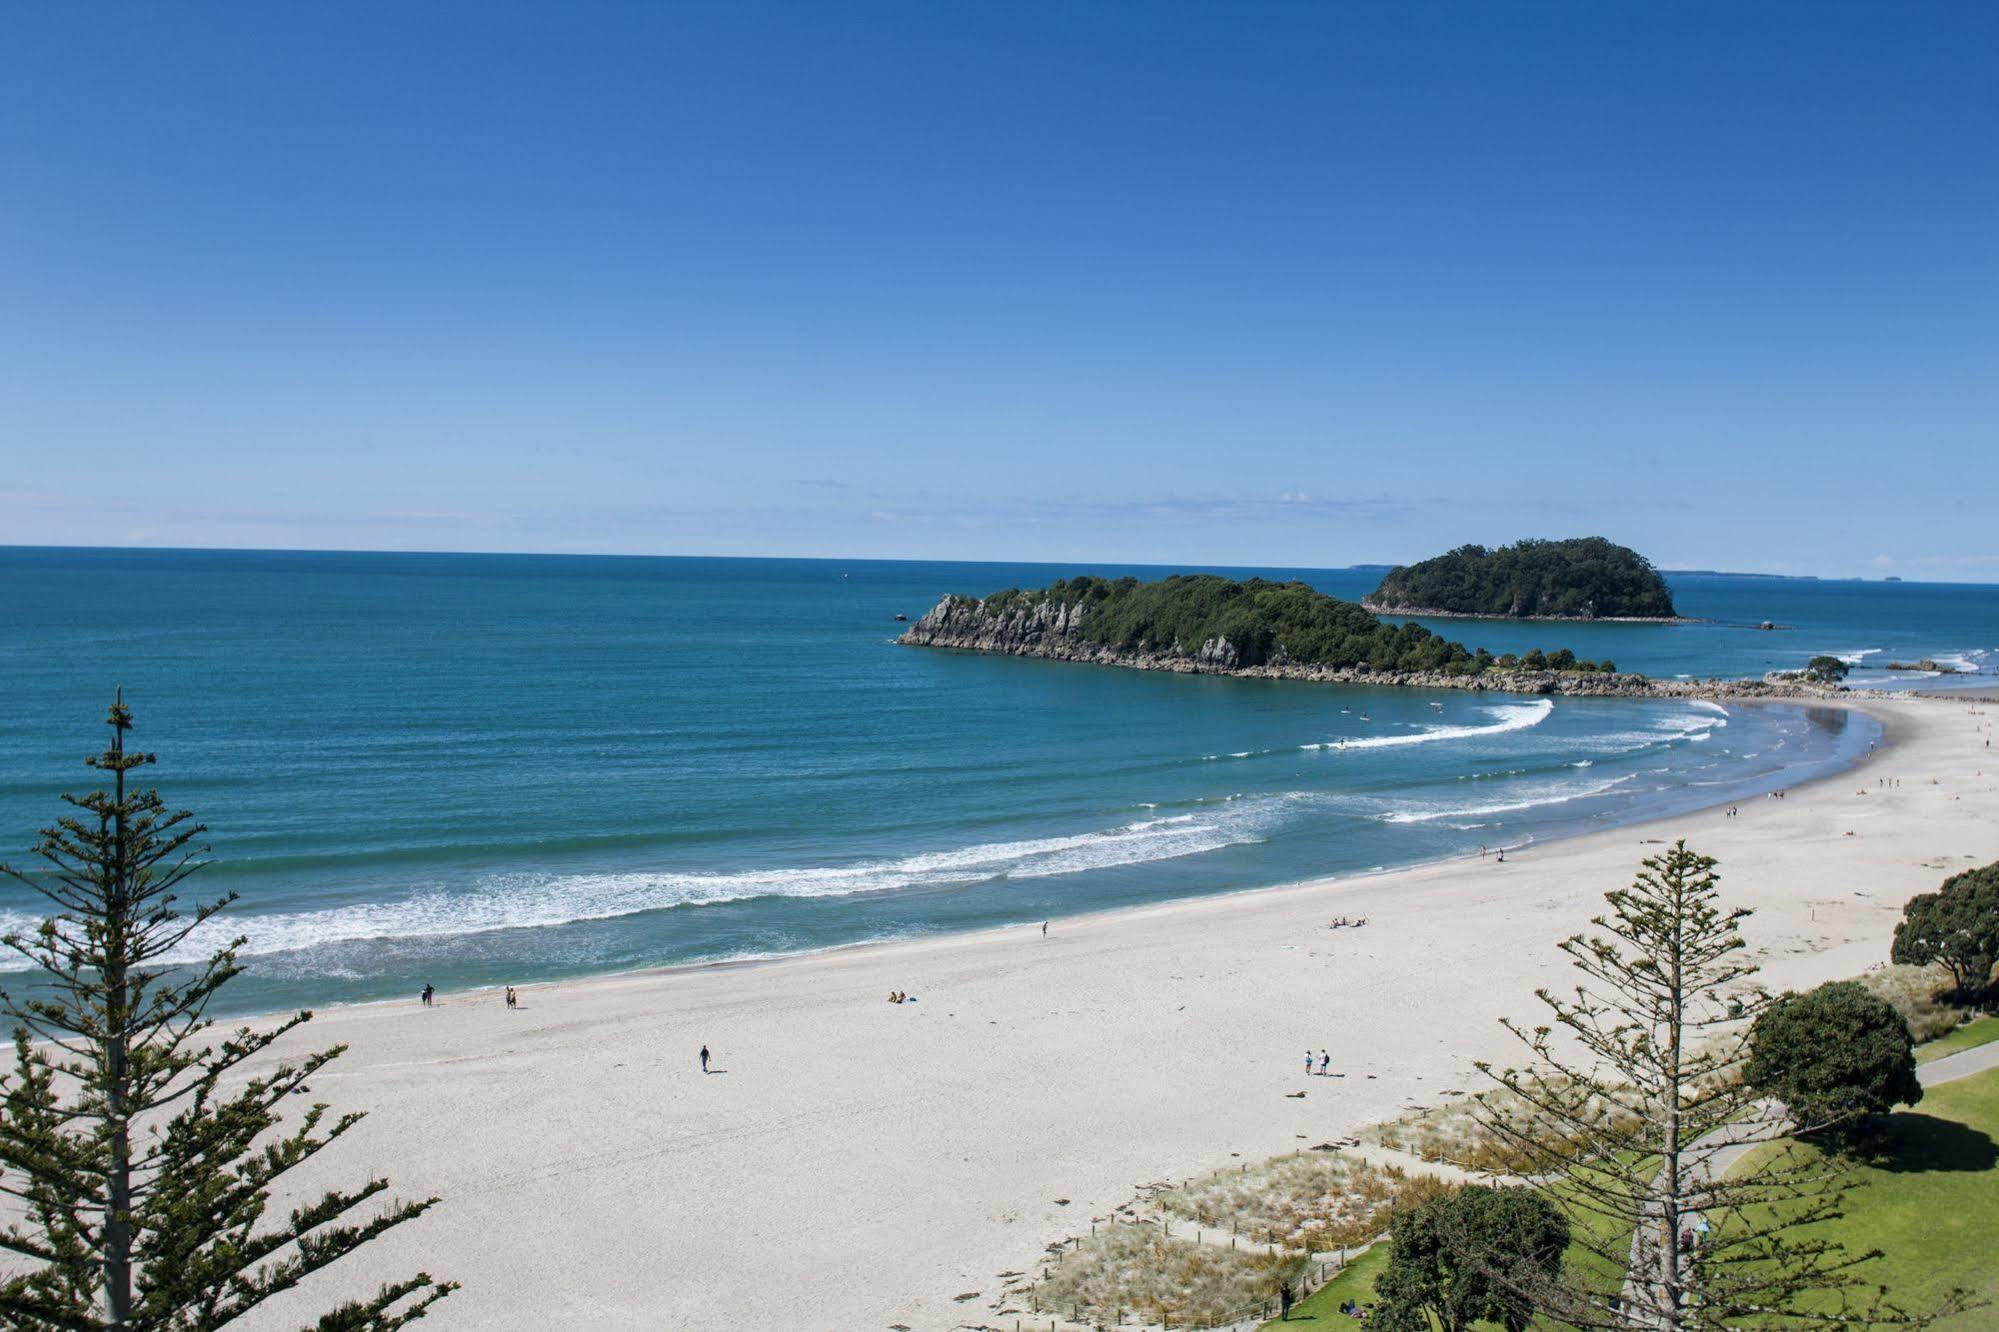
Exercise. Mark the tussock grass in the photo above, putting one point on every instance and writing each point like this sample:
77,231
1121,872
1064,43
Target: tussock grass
1918,994
1456,1133
1131,1269
1309,1200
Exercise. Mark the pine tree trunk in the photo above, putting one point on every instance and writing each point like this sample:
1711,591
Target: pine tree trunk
1670,1193
118,1187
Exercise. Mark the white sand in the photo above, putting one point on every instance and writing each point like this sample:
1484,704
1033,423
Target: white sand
859,1164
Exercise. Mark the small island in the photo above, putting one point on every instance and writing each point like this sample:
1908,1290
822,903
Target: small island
1207,624
1583,578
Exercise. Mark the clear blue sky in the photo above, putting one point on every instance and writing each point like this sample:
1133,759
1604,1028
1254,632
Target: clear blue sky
1240,283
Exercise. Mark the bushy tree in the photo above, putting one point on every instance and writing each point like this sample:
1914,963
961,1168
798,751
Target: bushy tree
141,1184
1830,670
1957,926
1833,1056
1442,1257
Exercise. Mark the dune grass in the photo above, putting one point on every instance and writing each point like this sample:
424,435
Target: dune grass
1135,1269
1972,1034
1920,995
1315,1200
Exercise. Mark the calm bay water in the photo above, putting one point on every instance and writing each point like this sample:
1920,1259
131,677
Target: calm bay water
481,769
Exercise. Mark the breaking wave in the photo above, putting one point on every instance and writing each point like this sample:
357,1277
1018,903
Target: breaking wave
1540,798
1510,717
517,901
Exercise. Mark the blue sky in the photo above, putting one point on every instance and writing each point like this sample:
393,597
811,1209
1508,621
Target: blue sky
1231,283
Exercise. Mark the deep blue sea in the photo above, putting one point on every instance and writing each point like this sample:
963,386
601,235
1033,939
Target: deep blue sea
470,769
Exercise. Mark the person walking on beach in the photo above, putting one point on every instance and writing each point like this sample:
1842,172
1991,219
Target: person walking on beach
704,1059
1325,1064
1044,929
1308,1063
428,992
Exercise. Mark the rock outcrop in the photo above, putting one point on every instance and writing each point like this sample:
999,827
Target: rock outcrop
1051,631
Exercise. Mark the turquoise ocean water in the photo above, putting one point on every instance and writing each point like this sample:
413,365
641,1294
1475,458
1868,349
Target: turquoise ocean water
485,769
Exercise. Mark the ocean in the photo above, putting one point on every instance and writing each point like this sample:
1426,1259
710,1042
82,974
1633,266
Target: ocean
473,770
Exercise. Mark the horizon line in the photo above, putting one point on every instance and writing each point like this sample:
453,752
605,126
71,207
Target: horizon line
903,559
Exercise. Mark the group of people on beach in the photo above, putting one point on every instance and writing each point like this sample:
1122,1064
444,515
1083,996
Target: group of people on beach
428,996
898,997
1500,858
1325,1064
1343,923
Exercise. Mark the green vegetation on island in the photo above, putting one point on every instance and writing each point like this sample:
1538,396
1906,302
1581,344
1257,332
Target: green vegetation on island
1235,624
1583,578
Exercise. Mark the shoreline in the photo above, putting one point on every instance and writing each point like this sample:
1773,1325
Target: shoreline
699,966
861,1164
927,634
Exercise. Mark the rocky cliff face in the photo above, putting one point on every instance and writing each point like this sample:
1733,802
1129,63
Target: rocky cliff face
1054,632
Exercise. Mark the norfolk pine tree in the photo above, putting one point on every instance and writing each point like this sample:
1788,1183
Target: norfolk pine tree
1634,1086
142,1184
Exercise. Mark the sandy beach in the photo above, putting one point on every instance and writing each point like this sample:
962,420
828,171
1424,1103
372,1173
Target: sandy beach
853,1164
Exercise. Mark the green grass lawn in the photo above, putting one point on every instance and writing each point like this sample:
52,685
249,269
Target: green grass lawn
1322,1306
1931,1206
1973,1033
1932,1203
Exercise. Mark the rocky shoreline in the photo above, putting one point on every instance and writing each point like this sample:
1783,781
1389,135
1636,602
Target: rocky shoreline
1049,631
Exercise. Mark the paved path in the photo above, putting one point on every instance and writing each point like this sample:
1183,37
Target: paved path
1960,1065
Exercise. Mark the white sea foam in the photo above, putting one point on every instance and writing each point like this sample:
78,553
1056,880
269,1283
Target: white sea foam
1538,798
1855,656
526,900
1508,717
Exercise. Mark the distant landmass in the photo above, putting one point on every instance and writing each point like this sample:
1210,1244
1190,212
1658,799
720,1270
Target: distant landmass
1203,617
1208,624
1734,573
1584,578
